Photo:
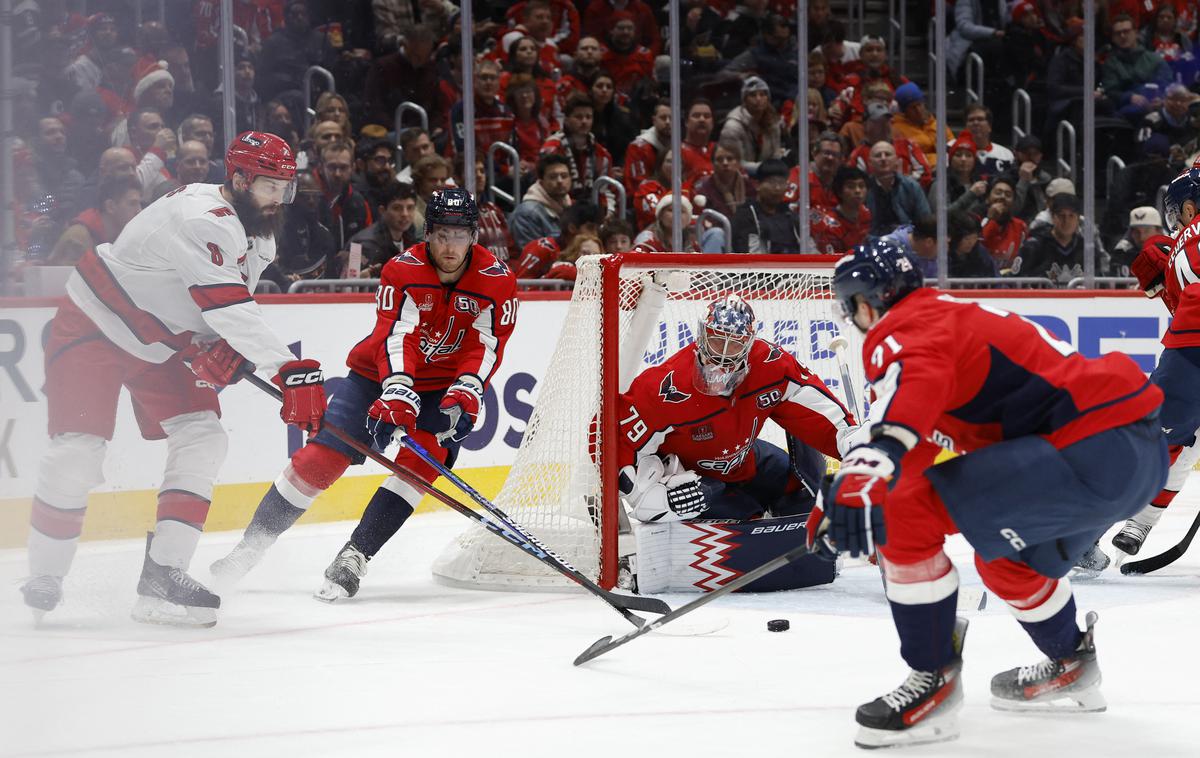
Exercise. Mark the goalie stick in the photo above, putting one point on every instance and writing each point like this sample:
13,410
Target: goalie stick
1154,563
506,531
604,644
648,604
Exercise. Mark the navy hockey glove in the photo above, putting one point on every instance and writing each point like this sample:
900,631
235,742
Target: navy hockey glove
855,501
461,406
398,406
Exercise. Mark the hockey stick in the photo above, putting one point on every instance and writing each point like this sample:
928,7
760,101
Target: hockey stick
1154,563
838,345
647,604
604,644
620,603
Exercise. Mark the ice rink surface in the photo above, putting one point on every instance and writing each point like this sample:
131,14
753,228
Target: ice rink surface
411,668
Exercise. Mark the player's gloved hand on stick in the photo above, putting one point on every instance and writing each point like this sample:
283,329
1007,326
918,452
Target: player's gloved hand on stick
218,364
303,387
398,406
855,501
817,530
461,405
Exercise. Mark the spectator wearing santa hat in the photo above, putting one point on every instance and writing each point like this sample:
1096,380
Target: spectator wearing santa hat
656,238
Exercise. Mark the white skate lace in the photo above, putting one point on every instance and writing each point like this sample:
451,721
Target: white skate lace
41,583
180,577
353,560
1136,529
916,685
1037,671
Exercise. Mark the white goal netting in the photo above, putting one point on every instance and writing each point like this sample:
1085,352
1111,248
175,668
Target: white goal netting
555,489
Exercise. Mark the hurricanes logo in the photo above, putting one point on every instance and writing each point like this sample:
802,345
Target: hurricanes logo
668,392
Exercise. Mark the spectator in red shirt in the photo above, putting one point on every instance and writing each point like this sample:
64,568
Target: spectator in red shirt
827,159
877,127
653,188
583,69
120,200
586,158
727,188
697,145
530,126
564,22
1002,233
537,24
849,222
647,150
625,59
493,120
602,15
523,60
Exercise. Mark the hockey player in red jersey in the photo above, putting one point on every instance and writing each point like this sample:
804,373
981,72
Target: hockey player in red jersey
444,311
174,286
689,442
1054,448
1170,269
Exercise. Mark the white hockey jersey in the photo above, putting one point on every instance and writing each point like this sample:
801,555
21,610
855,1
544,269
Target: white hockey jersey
182,269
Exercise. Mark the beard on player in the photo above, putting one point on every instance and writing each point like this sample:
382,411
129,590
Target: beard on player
259,221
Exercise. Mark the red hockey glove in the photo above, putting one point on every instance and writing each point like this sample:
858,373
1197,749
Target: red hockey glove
218,364
398,406
816,528
461,406
855,501
303,387
1150,265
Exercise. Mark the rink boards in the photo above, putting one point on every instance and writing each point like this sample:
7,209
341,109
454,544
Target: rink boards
325,328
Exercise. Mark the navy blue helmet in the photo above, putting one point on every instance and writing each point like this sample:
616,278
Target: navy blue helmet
879,271
452,206
1186,186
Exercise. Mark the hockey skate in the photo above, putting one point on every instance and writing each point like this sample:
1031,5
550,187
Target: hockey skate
231,569
1093,562
1069,684
1131,537
42,594
922,710
167,595
343,575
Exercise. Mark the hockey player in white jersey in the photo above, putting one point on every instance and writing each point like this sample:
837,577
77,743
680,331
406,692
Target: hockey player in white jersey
174,289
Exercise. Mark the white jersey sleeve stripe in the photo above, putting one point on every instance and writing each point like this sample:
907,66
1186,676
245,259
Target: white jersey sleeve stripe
407,318
816,401
489,341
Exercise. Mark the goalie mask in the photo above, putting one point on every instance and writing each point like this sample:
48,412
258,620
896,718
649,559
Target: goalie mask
724,338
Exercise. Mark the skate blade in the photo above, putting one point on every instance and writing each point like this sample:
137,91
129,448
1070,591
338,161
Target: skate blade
38,615
330,592
936,729
1089,701
151,610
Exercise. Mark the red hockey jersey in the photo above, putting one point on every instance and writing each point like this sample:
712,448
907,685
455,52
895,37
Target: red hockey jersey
966,376
834,234
434,332
663,412
1182,283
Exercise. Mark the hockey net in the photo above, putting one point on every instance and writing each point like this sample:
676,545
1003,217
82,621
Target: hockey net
628,312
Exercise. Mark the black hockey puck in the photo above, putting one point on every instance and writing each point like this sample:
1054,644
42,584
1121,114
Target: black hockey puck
778,625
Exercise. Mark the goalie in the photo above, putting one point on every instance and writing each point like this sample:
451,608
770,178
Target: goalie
713,499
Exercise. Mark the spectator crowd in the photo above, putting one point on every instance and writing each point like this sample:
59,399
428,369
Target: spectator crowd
111,115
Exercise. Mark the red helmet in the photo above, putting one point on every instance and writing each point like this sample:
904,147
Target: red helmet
258,154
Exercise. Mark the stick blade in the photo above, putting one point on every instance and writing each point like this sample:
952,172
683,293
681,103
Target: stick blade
1147,565
639,603
597,648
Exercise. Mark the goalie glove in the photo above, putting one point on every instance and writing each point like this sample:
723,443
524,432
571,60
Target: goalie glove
659,490
217,364
460,405
397,407
855,501
816,528
303,387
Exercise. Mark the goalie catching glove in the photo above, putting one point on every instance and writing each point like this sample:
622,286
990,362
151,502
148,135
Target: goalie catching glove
661,490
397,407
217,364
855,501
303,387
460,404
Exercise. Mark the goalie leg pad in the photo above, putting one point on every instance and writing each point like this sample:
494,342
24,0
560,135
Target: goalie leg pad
701,556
